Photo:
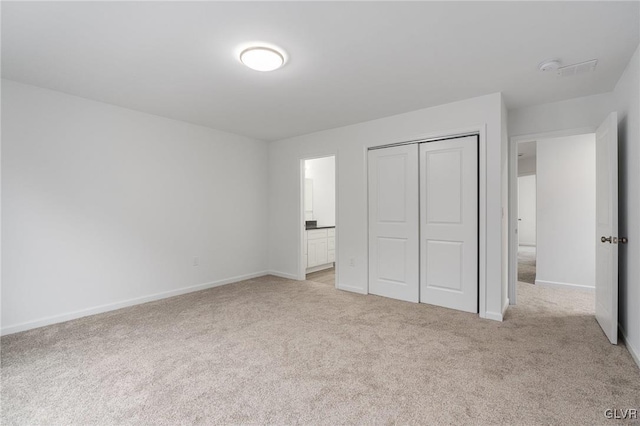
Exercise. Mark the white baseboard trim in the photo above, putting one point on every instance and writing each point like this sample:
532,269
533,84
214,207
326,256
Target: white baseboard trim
635,353
494,316
320,268
554,284
497,316
55,319
282,275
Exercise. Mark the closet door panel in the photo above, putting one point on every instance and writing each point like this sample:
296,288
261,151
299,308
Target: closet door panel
393,222
449,223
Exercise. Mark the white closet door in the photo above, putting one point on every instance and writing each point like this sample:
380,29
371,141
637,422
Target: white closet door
449,223
393,222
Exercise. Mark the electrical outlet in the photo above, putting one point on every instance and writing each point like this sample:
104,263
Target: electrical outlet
196,261
352,262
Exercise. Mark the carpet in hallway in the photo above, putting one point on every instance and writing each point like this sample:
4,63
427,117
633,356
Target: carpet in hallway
527,266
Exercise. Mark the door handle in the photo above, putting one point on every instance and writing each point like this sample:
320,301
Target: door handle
605,239
623,240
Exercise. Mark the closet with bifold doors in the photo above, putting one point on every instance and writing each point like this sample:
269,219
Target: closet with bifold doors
423,222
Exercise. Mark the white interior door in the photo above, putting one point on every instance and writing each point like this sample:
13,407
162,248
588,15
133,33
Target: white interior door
527,210
607,227
449,223
393,222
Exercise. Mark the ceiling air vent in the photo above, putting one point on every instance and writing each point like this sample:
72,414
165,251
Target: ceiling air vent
576,69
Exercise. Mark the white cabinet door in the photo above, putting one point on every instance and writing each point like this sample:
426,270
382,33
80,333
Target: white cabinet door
393,222
322,251
449,223
607,227
312,253
317,252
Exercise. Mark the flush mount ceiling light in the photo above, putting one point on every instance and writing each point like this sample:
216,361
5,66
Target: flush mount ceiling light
262,58
549,65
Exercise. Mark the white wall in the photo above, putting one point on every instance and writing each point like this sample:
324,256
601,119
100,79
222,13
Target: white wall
577,113
627,104
526,166
104,206
566,211
322,171
350,144
527,210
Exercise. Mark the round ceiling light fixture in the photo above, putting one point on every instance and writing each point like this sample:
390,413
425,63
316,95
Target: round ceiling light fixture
262,58
549,65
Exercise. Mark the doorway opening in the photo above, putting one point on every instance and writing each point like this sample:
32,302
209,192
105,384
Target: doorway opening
319,220
577,220
527,212
556,214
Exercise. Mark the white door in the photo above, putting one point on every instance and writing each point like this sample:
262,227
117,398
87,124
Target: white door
393,222
527,210
449,223
607,227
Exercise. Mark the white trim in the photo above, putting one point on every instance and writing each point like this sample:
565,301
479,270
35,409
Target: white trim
512,203
283,275
513,197
495,316
635,353
54,319
319,268
481,130
554,284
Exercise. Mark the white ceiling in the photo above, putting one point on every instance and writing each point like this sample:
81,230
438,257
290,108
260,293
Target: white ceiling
349,62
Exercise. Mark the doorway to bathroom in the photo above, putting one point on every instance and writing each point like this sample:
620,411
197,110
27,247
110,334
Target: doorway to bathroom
319,234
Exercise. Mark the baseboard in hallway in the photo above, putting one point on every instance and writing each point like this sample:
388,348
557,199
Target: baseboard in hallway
554,284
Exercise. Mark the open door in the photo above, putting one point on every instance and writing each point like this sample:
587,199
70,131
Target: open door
607,227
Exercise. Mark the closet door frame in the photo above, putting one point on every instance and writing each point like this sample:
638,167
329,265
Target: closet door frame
481,132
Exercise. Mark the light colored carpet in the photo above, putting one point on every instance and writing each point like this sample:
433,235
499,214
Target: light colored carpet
527,265
277,351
